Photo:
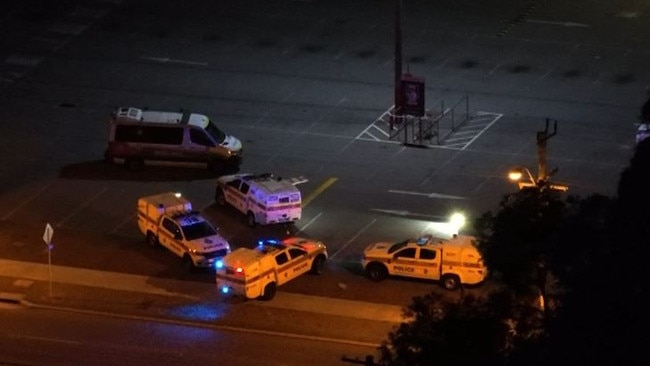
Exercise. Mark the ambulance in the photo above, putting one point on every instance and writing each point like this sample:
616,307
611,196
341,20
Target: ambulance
257,273
137,136
263,198
453,262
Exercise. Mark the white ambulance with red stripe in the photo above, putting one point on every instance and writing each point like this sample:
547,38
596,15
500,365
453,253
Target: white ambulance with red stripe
263,198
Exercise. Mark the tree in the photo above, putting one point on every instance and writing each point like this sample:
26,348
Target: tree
467,332
597,248
514,242
604,318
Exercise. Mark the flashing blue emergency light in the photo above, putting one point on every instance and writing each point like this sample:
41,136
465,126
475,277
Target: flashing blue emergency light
225,289
263,242
218,264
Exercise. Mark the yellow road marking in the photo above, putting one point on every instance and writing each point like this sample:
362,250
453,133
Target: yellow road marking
326,184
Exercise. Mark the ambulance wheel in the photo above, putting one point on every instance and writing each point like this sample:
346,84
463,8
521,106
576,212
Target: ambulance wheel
450,282
376,272
216,166
219,197
250,219
134,164
152,240
318,265
269,291
188,264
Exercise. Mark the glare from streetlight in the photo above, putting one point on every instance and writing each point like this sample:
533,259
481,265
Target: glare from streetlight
457,221
515,175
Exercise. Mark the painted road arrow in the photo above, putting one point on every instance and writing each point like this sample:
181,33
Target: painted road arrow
429,195
564,24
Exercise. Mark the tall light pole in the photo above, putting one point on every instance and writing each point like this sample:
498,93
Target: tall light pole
398,60
543,136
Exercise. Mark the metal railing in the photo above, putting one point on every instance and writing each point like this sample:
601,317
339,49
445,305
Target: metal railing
435,126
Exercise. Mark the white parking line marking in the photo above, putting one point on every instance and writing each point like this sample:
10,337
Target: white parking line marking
457,139
55,340
564,24
310,222
165,60
406,213
23,60
429,195
68,28
498,117
25,202
79,208
86,12
353,238
124,222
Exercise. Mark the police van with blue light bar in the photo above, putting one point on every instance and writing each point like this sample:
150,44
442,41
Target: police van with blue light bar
168,220
257,273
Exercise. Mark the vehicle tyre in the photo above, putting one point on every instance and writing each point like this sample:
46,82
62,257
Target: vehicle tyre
376,272
134,164
219,197
450,282
216,166
269,291
188,264
250,219
152,240
318,265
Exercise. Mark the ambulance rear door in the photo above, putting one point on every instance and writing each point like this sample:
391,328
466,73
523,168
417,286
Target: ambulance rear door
283,207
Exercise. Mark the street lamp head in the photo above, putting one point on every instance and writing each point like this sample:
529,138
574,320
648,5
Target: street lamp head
515,175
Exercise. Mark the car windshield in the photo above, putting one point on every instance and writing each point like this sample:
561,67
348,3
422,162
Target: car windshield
397,246
215,132
198,230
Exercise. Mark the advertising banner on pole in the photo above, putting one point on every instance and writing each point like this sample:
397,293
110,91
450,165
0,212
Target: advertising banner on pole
413,95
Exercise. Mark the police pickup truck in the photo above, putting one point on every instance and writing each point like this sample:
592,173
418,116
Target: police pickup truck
167,219
257,273
453,261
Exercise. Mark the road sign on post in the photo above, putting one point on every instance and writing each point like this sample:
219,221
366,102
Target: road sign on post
47,238
47,235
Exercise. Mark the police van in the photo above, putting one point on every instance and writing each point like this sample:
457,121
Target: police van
257,273
262,198
138,136
453,261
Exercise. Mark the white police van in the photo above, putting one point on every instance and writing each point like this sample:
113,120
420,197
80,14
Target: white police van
263,198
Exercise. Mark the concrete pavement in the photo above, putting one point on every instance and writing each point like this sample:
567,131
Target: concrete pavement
193,303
